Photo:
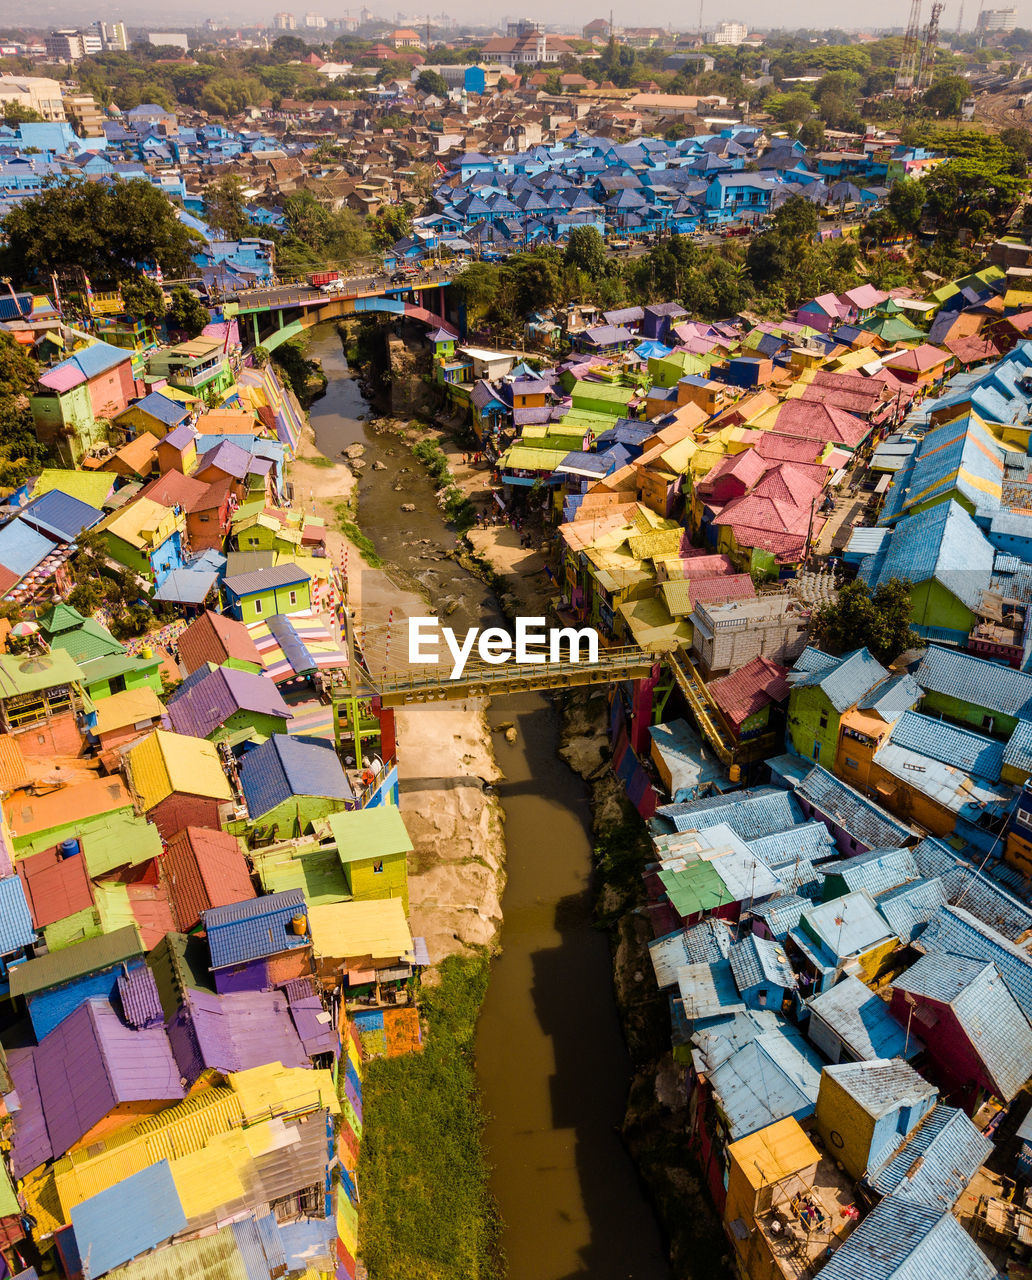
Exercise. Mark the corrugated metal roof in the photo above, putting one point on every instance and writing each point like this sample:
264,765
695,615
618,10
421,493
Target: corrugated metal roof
892,698
997,1030
948,743
284,767
708,990
213,1257
61,514
31,1144
757,960
206,869
205,705
94,955
370,833
16,927
260,1247
251,930
881,1085
862,1021
936,1161
141,1004
751,814
234,1032
846,926
108,1236
280,575
215,638
901,1240
992,686
704,943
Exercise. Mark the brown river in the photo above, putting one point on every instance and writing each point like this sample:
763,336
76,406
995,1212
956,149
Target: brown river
550,1056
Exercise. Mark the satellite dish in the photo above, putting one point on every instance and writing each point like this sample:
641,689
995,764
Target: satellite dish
38,663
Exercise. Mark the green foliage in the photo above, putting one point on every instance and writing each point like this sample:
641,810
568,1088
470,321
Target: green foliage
880,622
389,224
142,298
432,82
104,229
363,545
186,312
947,94
586,251
228,95
477,286
290,357
427,1208
337,238
21,454
15,114
86,597
224,208
457,507
906,202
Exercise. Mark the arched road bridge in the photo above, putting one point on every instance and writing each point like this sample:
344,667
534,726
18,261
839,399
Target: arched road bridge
269,317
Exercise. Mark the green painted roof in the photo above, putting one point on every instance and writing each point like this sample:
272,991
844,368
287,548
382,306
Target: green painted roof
316,871
118,840
697,888
113,906
602,391
894,329
116,664
520,457
72,929
26,674
87,641
9,1205
370,833
180,963
92,956
88,486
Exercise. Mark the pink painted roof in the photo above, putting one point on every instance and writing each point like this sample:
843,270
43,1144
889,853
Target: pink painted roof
918,359
62,378
816,421
864,296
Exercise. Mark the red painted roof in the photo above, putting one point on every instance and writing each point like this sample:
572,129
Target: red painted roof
970,348
174,489
205,868
749,689
54,887
775,447
152,911
738,586
215,638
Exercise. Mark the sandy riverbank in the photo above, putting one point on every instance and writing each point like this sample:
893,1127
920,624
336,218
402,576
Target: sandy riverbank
457,872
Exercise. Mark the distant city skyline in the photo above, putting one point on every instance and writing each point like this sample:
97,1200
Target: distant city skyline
757,14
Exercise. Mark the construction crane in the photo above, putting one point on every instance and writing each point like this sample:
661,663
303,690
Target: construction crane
928,49
908,59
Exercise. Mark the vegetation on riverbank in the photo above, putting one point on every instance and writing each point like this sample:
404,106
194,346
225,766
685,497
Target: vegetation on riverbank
363,545
427,1212
457,507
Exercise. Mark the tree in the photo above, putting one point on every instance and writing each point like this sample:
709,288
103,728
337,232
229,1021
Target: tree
881,622
476,286
287,47
906,203
389,224
228,95
947,94
186,312
15,113
796,217
432,82
105,229
224,208
337,237
142,297
1017,139
811,133
586,251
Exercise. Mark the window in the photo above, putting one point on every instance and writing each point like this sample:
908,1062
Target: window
851,763
204,519
117,684
257,607
824,719
1025,818
378,868
252,542
292,597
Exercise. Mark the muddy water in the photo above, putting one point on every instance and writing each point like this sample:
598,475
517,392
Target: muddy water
551,1060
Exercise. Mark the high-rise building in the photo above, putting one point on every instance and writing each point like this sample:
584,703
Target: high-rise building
64,46
113,36
284,22
991,21
315,20
729,33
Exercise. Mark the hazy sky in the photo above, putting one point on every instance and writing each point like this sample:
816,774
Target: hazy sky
761,14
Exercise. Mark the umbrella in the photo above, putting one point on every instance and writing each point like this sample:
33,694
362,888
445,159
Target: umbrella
24,629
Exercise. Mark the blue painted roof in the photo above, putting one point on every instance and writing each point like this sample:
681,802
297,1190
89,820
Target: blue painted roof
891,698
284,767
993,686
16,928
22,547
901,1240
957,931
846,808
94,359
876,871
107,1236
964,749
62,514
936,1161
167,411
861,1019
942,543
261,1248
954,456
998,1031
255,928
854,675
1018,752
978,893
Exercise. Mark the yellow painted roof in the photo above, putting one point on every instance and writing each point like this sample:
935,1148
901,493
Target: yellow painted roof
652,626
773,1153
88,486
658,542
344,929
278,1090
168,762
133,522
210,1179
678,456
131,706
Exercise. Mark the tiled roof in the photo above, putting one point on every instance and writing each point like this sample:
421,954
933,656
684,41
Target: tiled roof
997,1029
284,767
88,363
703,943
965,750
876,871
892,697
854,676
138,992
879,1086
252,930
782,913
862,1021
990,685
941,543
844,807
956,931
755,960
213,637
755,812
901,1240
909,907
936,1162
807,842
748,690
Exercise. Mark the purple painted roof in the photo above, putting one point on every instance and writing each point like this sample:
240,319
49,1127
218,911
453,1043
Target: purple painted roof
313,1025
31,1145
182,436
206,704
228,457
234,1032
91,1062
532,416
141,1003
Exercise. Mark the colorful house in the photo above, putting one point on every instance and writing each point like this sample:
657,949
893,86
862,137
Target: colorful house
78,398
846,933
260,942
226,705
179,782
154,413
283,588
41,700
198,367
288,784
206,869
147,538
214,638
823,688
373,847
